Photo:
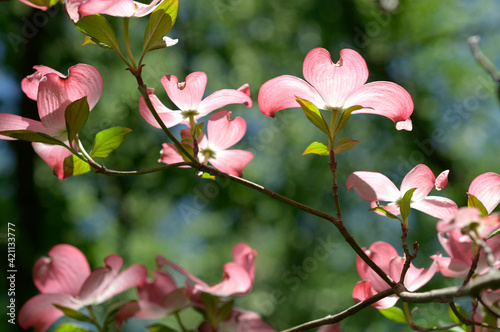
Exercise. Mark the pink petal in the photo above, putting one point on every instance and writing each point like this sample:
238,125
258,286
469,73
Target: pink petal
463,217
372,186
442,180
279,93
54,156
224,132
231,161
225,97
26,2
420,177
380,253
391,207
486,187
30,83
106,282
416,278
63,272
169,154
450,267
186,95
40,313
364,290
245,256
438,207
56,93
384,98
237,282
16,122
118,8
335,81
457,245
156,291
170,118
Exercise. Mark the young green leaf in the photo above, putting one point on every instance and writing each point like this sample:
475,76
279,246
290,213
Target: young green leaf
317,148
160,328
384,212
107,141
404,205
454,317
205,175
344,117
211,302
314,115
474,202
76,116
394,313
70,327
32,136
99,30
75,166
72,313
344,144
493,234
160,22
225,311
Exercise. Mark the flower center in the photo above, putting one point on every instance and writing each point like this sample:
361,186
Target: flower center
208,153
189,113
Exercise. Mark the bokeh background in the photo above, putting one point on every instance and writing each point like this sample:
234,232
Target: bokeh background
421,45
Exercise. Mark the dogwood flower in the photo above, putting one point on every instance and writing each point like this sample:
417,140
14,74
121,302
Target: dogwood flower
486,188
469,218
188,97
64,278
459,247
156,299
53,92
222,133
387,258
374,187
76,9
237,280
338,86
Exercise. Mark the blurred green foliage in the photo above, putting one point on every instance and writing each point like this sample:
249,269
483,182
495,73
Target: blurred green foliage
421,45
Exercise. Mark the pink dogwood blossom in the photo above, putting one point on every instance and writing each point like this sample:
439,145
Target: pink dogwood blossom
374,187
53,92
64,278
387,258
470,218
338,86
486,188
222,133
76,9
237,280
188,97
459,247
157,298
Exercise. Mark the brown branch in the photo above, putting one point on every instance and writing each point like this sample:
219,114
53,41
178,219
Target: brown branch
330,319
484,61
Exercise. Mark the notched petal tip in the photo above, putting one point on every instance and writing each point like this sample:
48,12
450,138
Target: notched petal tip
442,180
404,125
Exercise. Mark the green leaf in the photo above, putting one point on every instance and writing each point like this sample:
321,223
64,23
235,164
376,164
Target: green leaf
198,128
394,313
75,166
70,327
225,311
211,302
32,136
317,148
344,117
474,202
205,175
314,115
493,234
454,317
107,141
72,313
404,205
386,213
99,30
160,328
44,3
76,116
160,22
344,144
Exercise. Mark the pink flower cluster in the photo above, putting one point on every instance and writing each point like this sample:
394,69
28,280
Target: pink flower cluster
454,230
65,279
